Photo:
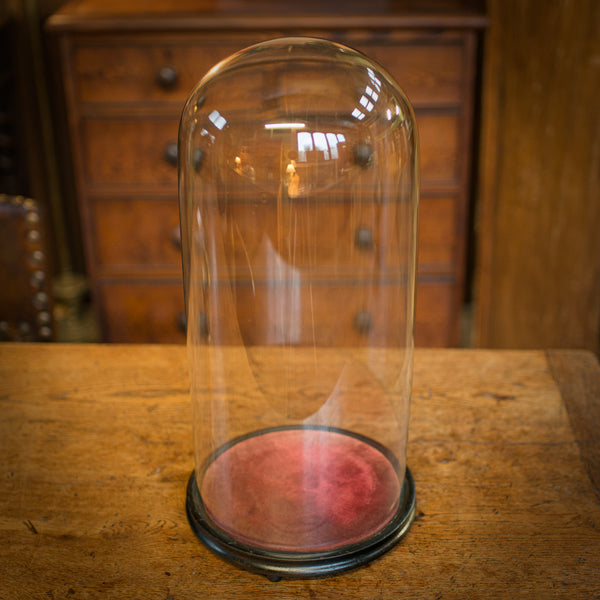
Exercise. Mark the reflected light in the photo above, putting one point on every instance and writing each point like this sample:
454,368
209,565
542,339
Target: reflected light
284,125
217,119
366,103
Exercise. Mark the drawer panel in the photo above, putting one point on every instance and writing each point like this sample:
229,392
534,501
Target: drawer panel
341,238
342,235
119,71
130,152
324,313
136,235
152,312
428,74
134,151
436,319
439,146
142,312
437,234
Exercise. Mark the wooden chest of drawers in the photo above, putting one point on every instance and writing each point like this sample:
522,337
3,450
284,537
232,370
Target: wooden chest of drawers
126,74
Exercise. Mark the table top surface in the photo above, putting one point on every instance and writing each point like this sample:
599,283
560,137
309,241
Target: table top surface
96,449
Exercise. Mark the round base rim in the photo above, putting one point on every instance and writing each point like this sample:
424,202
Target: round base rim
291,565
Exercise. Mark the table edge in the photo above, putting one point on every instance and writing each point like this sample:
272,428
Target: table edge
577,375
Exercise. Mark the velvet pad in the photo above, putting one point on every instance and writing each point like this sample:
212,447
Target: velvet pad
301,490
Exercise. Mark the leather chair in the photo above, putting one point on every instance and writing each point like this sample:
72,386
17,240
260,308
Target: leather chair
26,303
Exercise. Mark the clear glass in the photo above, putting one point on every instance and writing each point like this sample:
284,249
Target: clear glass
298,195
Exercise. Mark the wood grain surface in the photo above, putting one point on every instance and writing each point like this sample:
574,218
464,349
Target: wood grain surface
96,448
538,255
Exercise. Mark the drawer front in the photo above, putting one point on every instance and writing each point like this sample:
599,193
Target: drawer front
438,220
140,311
147,71
120,72
130,152
357,315
436,319
142,236
439,144
135,235
429,73
323,313
140,151
343,239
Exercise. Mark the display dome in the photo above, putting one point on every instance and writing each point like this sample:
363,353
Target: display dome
298,163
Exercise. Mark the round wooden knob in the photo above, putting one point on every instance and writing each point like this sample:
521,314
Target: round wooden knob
176,237
202,323
170,153
363,238
363,322
167,77
363,154
181,320
197,159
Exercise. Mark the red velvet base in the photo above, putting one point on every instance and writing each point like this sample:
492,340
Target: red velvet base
301,490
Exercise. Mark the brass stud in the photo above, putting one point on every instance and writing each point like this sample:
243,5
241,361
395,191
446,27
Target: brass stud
33,236
32,217
40,300
44,317
37,279
45,332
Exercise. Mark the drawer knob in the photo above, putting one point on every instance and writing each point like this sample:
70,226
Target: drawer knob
170,153
181,320
363,238
202,323
166,77
197,159
176,237
363,154
363,322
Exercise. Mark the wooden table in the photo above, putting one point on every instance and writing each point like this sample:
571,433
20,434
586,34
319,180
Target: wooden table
96,449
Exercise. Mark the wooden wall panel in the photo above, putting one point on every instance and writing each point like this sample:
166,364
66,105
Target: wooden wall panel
538,223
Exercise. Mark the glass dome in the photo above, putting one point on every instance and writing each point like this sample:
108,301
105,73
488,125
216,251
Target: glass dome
298,163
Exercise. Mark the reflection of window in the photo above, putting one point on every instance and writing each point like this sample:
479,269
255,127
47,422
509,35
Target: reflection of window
366,103
217,119
376,82
321,144
332,141
327,143
305,144
370,96
372,93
